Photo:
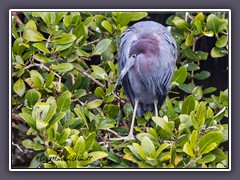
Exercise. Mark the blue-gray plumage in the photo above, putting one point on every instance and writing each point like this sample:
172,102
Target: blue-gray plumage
147,57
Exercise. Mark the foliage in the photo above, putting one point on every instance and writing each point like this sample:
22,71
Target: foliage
64,68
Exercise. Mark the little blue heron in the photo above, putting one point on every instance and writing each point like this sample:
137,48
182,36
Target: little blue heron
147,58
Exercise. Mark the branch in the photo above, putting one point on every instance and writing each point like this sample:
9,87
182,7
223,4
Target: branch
48,69
16,145
92,42
20,23
90,77
17,117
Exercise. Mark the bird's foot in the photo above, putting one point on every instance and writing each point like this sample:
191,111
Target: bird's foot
126,138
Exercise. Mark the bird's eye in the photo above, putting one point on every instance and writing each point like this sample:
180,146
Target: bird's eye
134,55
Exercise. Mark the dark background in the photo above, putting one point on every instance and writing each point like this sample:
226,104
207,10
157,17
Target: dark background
149,4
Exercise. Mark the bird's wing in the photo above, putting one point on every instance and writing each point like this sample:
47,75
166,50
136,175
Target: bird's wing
169,56
126,40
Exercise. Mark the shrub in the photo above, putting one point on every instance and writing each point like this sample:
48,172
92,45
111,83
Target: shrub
64,68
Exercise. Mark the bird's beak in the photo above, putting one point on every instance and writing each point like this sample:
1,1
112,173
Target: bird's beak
128,65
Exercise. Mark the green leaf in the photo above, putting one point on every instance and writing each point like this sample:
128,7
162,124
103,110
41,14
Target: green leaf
92,157
148,147
208,33
197,92
216,24
18,48
60,164
189,40
94,104
163,124
113,157
111,110
80,146
200,114
209,90
188,88
217,52
180,23
134,151
28,118
32,97
79,93
99,72
19,87
49,79
41,47
90,141
63,67
190,54
206,159
37,79
40,124
57,117
77,82
193,139
180,75
32,35
103,45
80,31
38,147
27,143
38,160
136,16
209,141
222,41
160,149
42,58
64,101
185,119
139,150
198,25
64,135
107,25
200,17
193,120
124,18
219,154
51,112
65,39
188,105
187,148
30,25
60,48
99,92
202,75
201,55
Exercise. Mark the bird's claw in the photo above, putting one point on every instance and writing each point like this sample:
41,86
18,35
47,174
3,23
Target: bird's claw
126,138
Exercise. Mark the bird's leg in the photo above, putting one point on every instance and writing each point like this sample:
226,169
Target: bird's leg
155,106
130,135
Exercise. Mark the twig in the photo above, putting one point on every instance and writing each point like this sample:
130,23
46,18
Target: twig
48,69
92,42
20,23
16,145
48,40
90,77
17,117
115,133
80,102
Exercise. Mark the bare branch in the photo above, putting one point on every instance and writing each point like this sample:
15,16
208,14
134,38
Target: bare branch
90,77
17,117
20,23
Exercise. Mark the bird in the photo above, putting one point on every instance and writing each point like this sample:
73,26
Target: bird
147,54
